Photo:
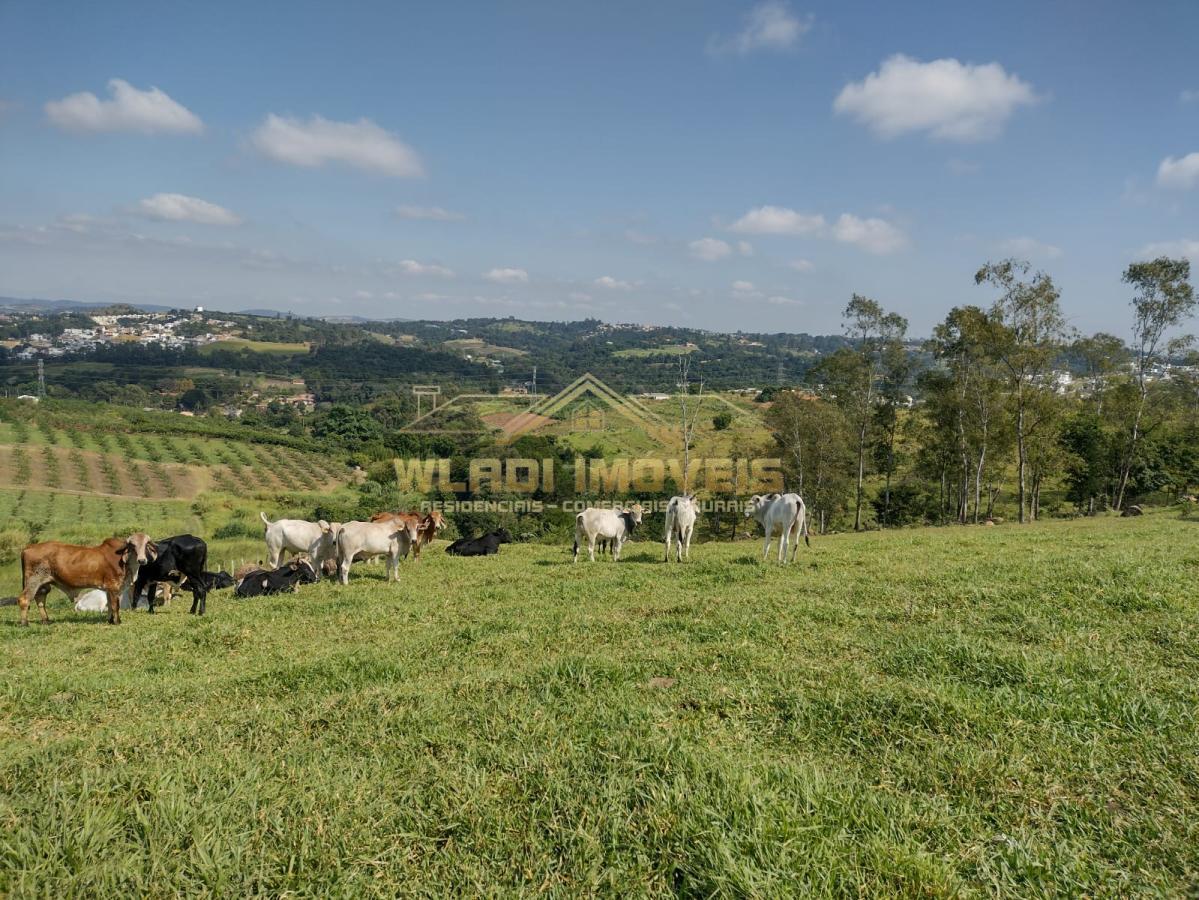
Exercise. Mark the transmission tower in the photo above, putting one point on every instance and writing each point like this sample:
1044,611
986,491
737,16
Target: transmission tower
41,379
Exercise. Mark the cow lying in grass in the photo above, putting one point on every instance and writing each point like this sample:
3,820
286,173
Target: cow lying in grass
96,601
111,567
260,583
487,545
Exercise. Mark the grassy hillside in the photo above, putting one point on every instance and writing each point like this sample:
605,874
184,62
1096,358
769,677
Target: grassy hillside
1004,711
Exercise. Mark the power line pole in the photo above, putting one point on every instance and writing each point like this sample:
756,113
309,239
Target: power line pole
534,381
41,378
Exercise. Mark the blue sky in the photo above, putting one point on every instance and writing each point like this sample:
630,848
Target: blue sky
720,165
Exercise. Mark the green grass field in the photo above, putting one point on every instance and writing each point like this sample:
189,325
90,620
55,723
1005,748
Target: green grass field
959,711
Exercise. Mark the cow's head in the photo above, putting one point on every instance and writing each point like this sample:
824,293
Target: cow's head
634,513
410,528
503,535
435,518
304,570
138,546
752,507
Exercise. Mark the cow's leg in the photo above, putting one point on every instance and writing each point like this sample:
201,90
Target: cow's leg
687,546
668,535
29,587
591,547
766,549
393,565
783,544
151,591
343,570
114,606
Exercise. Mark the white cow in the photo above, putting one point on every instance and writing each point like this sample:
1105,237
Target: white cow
787,513
363,540
605,524
317,539
95,600
680,522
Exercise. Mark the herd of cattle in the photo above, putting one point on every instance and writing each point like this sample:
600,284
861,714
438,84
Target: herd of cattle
119,572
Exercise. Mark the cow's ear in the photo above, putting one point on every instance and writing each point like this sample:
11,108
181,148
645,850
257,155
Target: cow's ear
324,526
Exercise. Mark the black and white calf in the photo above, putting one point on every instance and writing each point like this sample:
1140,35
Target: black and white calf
260,583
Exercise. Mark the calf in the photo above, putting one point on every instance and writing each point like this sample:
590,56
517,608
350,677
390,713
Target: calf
111,567
487,545
362,540
259,583
317,539
181,560
427,526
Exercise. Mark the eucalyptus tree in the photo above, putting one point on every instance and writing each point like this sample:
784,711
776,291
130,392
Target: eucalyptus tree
1162,301
853,375
1028,334
1101,356
969,393
814,439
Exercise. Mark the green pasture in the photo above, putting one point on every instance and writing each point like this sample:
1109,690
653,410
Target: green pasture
981,711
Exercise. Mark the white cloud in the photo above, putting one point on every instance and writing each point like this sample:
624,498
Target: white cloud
768,26
743,287
148,112
962,167
872,235
1187,248
1181,174
507,276
778,220
709,249
1029,248
1188,96
579,296
181,208
412,267
801,265
948,99
433,213
745,248
361,144
612,284
783,301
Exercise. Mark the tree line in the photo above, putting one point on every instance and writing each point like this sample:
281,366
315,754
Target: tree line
1001,417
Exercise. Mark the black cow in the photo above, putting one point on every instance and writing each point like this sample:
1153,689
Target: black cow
487,545
180,561
260,583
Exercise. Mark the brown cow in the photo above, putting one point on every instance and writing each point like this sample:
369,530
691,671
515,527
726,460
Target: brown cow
427,526
111,567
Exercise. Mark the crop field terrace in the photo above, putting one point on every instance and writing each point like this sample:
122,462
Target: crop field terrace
937,712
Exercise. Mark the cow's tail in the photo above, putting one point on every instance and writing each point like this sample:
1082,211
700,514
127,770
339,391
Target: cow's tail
803,524
265,520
